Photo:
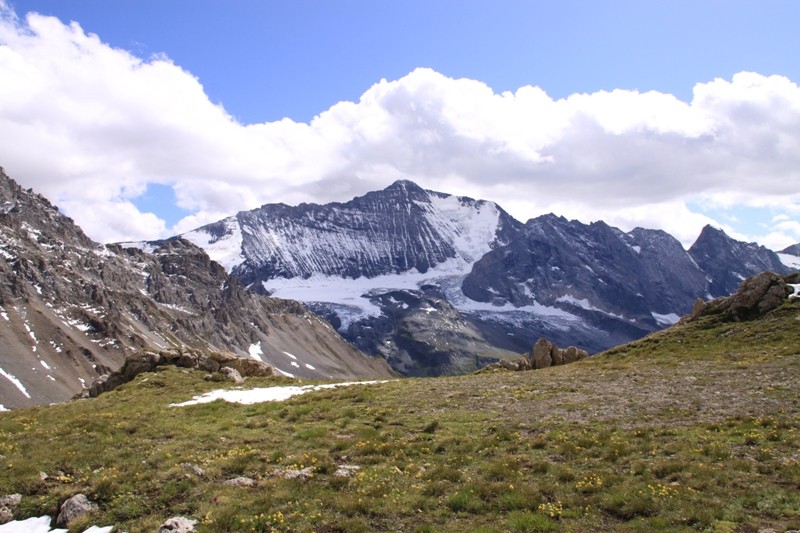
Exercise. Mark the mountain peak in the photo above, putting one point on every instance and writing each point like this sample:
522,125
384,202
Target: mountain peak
404,185
710,231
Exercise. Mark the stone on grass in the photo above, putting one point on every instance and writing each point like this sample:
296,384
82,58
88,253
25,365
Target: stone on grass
178,524
194,469
232,374
6,515
73,508
296,473
346,470
240,482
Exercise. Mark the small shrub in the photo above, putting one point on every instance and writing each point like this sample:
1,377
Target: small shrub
465,501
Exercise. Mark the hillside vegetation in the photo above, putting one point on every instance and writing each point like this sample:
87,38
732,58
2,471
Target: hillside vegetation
690,429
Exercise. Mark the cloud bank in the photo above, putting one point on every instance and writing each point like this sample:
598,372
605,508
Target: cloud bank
90,126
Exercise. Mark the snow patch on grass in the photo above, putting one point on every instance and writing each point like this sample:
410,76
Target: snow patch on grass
264,394
41,524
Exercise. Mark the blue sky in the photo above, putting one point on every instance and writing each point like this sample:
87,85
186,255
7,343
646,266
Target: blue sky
236,69
265,60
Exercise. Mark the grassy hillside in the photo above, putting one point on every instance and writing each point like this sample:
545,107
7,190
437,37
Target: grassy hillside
695,428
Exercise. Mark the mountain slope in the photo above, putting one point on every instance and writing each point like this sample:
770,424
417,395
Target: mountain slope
694,428
342,259
71,309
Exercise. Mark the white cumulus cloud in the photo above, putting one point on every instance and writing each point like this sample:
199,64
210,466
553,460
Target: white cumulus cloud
90,126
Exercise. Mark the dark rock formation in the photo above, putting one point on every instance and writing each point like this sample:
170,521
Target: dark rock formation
727,262
755,297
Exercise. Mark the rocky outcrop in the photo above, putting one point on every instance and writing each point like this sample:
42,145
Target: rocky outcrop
73,508
546,353
227,364
755,297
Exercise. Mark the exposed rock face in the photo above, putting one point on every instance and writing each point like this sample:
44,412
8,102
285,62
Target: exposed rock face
727,262
589,269
792,250
756,297
73,508
72,310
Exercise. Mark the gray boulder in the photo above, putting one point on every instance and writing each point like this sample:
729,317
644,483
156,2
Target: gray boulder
7,505
240,482
178,524
73,508
232,374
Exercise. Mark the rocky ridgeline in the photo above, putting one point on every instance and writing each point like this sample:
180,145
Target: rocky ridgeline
755,297
229,364
72,310
544,354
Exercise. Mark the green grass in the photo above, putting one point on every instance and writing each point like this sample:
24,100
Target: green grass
695,429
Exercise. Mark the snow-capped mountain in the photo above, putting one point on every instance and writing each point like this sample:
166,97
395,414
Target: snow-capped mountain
402,228
790,256
404,272
342,259
71,309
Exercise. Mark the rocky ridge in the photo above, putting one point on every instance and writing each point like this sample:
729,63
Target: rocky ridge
755,297
71,310
499,283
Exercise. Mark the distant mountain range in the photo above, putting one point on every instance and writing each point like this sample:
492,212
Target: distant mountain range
71,309
429,282
437,283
